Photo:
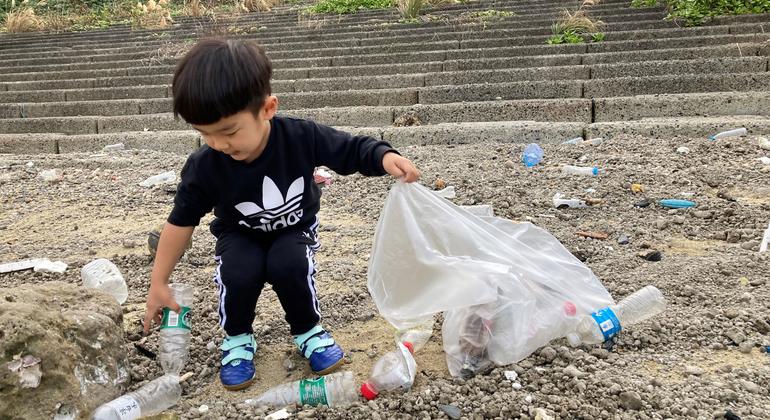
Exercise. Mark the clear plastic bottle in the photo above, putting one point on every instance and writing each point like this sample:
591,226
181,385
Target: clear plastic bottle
532,155
418,335
162,178
580,170
154,397
575,141
394,370
175,330
738,132
334,390
605,323
103,274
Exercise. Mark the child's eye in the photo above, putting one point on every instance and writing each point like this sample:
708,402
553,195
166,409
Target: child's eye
231,134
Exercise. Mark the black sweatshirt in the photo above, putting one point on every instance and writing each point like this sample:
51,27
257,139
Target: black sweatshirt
276,190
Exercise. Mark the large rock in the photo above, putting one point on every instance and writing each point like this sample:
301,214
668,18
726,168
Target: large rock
74,336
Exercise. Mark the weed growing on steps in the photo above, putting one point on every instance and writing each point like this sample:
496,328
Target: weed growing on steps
410,9
257,5
349,6
574,28
696,12
151,15
23,19
490,14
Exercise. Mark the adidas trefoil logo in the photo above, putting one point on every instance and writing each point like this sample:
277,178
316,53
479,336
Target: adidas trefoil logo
277,211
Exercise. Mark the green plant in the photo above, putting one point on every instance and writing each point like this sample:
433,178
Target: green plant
696,12
491,14
349,6
644,3
567,37
410,9
578,22
598,37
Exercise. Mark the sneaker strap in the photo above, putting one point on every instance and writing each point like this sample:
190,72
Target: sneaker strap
315,339
238,348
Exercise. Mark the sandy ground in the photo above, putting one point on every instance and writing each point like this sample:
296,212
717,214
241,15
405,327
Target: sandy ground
682,364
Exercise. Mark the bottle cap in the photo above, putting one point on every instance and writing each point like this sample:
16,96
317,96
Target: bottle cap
409,346
368,392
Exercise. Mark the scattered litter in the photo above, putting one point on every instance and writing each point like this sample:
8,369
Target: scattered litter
687,194
322,176
28,370
48,266
738,132
643,203
590,190
637,188
336,389
418,334
562,203
30,164
20,265
683,150
440,184
593,235
764,143
580,170
114,147
676,204
393,371
532,155
448,192
729,415
511,375
104,275
162,178
576,140
765,240
203,409
765,160
52,175
651,255
450,410
152,398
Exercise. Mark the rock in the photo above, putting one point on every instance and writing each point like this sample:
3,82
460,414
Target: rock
76,333
541,414
407,119
733,236
643,203
736,336
750,386
750,245
509,164
745,298
450,410
757,281
746,347
288,364
661,224
761,326
574,372
693,370
725,195
678,220
702,214
548,353
631,400
731,313
623,239
651,255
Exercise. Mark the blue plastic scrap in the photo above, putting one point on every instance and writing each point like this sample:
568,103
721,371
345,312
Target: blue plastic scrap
676,204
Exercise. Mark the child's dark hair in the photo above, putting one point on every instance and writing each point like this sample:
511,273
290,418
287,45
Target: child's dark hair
218,78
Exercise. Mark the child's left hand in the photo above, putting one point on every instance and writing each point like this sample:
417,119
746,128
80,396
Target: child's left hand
400,167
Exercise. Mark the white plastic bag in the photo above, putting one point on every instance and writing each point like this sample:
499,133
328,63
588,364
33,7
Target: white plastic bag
432,256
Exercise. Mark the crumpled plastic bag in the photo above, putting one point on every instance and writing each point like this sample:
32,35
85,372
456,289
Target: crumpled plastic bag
505,288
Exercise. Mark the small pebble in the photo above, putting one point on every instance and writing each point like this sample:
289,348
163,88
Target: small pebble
450,410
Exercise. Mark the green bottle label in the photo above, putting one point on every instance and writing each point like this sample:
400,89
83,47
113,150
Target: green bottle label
312,392
172,319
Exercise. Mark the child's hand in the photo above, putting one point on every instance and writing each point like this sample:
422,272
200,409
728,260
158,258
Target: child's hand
400,167
158,297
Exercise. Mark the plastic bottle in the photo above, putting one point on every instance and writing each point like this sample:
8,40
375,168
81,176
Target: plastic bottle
117,147
103,274
575,141
560,202
532,155
154,397
474,338
765,240
580,170
162,178
418,335
175,330
394,370
605,323
738,132
333,390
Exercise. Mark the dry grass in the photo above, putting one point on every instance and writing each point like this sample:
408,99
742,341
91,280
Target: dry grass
194,8
23,20
257,5
410,9
578,23
310,21
589,3
151,15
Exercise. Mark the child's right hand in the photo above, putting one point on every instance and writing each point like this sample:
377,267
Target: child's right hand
158,297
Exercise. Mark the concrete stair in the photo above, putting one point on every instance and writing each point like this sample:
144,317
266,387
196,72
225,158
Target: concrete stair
466,79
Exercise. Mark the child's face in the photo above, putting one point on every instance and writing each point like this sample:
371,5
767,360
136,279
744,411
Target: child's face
242,136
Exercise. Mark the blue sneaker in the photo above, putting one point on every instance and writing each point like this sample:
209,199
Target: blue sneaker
320,349
237,370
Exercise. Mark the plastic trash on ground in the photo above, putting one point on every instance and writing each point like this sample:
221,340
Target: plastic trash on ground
162,178
446,192
580,170
738,132
393,371
765,240
560,202
676,204
153,398
417,334
763,143
334,390
607,322
117,147
51,175
103,274
432,256
48,266
28,370
532,155
322,176
175,330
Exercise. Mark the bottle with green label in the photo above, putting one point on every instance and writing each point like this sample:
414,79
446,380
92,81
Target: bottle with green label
175,330
334,390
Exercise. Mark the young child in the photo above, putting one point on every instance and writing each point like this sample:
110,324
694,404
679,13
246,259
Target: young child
256,173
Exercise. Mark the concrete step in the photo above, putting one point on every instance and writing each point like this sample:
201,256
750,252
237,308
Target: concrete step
680,126
681,105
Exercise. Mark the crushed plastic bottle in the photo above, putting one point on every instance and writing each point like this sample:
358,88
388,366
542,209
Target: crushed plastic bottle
532,155
154,397
162,178
580,170
117,147
765,240
334,390
560,202
607,322
394,370
418,335
474,339
575,141
51,175
103,274
738,132
175,330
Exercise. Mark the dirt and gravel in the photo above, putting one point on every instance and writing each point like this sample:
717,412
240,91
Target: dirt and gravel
701,358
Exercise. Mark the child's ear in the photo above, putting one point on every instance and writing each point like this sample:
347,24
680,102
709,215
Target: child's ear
270,107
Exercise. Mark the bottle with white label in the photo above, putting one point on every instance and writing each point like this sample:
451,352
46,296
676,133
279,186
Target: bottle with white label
334,390
580,170
175,330
605,323
154,397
